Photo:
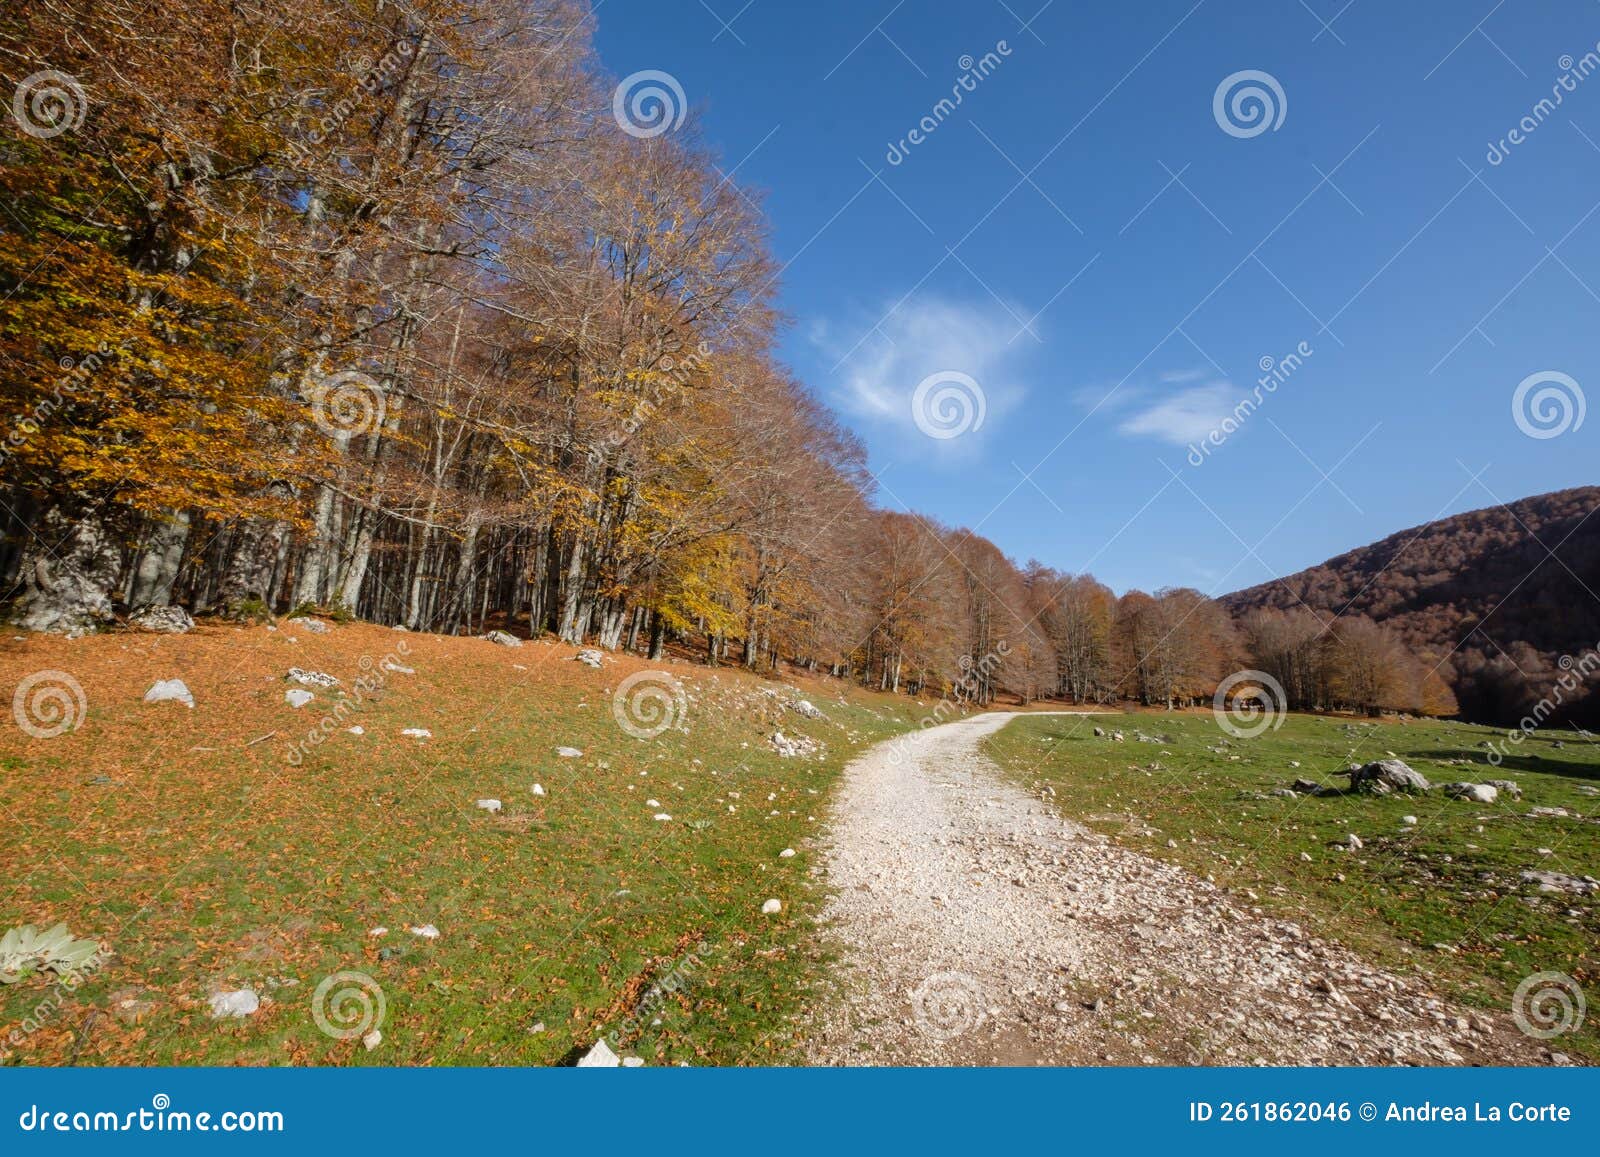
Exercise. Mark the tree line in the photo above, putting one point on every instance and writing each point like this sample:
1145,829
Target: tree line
410,313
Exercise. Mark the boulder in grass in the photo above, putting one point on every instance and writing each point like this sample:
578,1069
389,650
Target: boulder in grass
1385,776
589,657
1472,792
1507,787
165,620
297,697
173,690
314,626
238,1003
600,1057
502,639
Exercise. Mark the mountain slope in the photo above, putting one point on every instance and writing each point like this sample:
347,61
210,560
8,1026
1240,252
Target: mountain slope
1498,595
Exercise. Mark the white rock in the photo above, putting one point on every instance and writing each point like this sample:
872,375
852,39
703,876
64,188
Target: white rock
380,930
1409,821
652,803
417,733
786,853
297,697
771,906
426,931
315,626
663,816
599,1057
311,678
240,1002
356,730
569,752
538,789
501,639
489,805
373,1039
166,620
633,1062
169,690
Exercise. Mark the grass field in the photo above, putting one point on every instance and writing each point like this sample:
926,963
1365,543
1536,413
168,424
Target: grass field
208,852
1441,897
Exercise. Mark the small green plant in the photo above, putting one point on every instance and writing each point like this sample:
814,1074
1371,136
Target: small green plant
253,610
26,950
340,612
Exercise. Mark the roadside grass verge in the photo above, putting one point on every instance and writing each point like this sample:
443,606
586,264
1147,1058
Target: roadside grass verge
1441,898
204,858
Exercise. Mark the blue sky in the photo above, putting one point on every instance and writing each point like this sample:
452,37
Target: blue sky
1085,242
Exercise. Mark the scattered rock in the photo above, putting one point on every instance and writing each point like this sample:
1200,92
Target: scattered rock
663,817
1561,882
173,690
1550,812
1351,842
314,626
129,1005
501,639
372,1039
1508,787
589,657
492,806
1409,821
1472,792
771,907
417,733
1385,776
165,620
234,1003
380,930
1099,732
570,752
790,747
599,1057
786,853
426,931
633,1062
297,697
807,709
311,678
538,789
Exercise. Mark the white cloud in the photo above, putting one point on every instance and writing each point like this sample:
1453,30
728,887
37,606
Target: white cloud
878,369
1186,416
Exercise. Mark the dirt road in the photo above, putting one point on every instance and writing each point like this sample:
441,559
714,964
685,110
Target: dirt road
980,928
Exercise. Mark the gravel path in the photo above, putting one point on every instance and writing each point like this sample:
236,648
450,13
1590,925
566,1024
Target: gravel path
978,927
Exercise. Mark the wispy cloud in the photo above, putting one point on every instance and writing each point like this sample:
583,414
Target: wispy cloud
878,369
1185,416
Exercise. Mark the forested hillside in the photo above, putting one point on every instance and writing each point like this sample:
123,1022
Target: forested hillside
1495,596
409,313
